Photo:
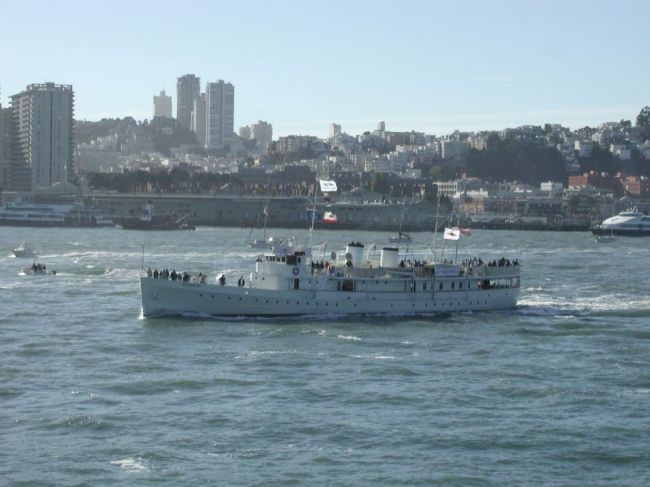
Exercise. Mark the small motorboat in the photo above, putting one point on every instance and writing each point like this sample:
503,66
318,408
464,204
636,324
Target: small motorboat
38,270
24,250
400,237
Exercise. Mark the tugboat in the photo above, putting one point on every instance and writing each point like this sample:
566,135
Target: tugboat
150,221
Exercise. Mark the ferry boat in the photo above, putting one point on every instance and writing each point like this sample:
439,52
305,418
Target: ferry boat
288,280
51,215
631,223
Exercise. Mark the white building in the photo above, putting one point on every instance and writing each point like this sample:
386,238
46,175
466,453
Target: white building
220,114
245,132
551,187
162,105
42,119
335,129
447,188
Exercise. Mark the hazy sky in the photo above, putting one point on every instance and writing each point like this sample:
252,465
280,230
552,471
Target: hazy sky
430,66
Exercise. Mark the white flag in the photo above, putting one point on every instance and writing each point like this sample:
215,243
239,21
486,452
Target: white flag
452,234
327,186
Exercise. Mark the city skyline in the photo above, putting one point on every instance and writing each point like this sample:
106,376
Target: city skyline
427,67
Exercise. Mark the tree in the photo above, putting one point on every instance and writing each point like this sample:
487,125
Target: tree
643,123
380,183
600,160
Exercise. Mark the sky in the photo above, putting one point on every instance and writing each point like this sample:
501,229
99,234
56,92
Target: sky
430,66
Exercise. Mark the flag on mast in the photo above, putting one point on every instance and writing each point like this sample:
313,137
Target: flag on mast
455,233
328,186
451,234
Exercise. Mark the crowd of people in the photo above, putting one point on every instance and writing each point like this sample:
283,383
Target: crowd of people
177,276
200,278
39,268
503,262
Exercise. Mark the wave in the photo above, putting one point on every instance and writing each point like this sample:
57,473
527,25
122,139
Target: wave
130,464
605,305
349,337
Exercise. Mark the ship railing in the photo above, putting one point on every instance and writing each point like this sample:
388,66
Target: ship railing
493,271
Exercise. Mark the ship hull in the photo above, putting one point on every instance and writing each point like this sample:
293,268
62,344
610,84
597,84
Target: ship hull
161,297
162,224
54,224
622,232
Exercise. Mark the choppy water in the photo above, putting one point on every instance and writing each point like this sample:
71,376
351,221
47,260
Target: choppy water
556,392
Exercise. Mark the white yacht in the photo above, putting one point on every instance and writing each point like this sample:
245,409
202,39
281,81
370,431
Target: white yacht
288,280
631,223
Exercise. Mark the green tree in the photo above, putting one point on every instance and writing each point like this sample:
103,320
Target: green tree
643,123
380,183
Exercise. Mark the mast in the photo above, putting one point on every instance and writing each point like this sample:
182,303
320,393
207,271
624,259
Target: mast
266,216
435,227
313,214
459,233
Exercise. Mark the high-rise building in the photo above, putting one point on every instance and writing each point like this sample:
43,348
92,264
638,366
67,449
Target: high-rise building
162,105
262,132
188,88
220,111
335,129
5,117
199,119
41,136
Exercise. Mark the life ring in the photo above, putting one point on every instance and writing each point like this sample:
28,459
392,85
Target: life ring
296,271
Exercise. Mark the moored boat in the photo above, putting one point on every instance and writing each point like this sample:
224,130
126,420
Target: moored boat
148,220
75,214
631,223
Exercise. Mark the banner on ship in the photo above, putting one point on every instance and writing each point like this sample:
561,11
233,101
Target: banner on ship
327,186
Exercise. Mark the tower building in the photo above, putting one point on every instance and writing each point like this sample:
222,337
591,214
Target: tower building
220,113
188,88
41,136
